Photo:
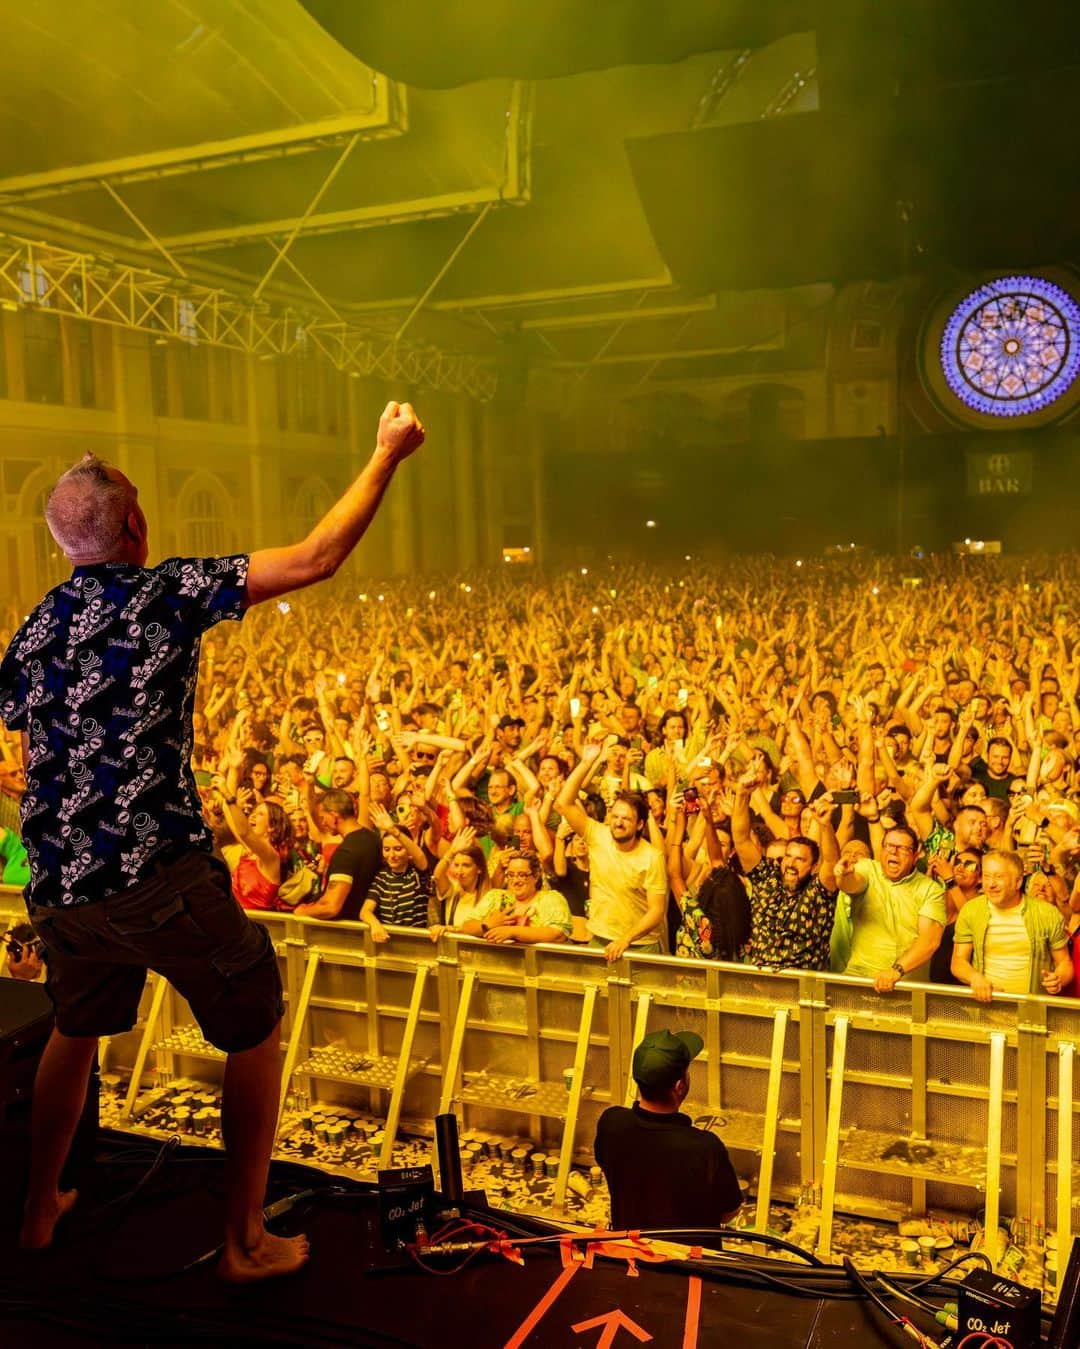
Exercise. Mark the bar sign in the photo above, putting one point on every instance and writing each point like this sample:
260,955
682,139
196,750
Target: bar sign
999,475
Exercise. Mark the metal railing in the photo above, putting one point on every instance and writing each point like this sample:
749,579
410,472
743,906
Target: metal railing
875,1105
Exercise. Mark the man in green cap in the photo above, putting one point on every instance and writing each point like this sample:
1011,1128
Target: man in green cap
661,1172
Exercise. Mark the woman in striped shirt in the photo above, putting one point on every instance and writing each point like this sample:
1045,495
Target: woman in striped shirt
399,893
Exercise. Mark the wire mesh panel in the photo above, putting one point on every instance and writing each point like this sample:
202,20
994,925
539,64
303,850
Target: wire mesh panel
917,1108
734,1010
370,1007
529,1022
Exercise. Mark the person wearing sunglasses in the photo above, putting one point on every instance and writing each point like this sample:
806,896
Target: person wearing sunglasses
961,875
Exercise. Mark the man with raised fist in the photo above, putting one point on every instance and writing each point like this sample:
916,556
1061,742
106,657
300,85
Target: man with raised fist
100,682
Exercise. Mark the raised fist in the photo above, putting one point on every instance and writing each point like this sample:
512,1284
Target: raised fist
400,430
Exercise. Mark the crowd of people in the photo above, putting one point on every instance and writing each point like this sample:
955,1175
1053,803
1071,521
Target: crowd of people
844,764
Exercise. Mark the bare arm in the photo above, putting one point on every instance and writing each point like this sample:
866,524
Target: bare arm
329,904
566,803
269,863
966,972
800,749
276,571
830,849
1061,976
746,846
541,837
927,941
528,935
847,878
385,823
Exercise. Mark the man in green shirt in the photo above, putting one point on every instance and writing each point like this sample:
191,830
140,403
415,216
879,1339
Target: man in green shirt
1006,942
897,914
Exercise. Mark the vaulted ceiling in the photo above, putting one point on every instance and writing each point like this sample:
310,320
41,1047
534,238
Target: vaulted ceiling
534,182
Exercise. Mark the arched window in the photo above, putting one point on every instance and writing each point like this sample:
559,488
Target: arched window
204,514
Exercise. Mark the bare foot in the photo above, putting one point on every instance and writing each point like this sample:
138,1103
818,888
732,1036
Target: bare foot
269,1257
39,1222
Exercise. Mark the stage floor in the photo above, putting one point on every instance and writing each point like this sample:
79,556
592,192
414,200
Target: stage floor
112,1277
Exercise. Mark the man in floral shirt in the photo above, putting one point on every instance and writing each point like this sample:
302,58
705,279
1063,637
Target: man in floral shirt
793,900
100,681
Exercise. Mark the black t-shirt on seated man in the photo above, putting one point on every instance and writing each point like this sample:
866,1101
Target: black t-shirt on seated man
662,1172
356,859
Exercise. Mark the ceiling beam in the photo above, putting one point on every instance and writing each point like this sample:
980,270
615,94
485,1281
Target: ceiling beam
595,320
696,353
81,286
332,222
552,295
514,189
386,117
559,294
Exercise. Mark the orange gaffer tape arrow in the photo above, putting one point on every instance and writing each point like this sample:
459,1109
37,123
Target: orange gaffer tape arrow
612,1322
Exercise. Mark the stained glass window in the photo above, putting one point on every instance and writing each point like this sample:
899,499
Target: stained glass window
1013,346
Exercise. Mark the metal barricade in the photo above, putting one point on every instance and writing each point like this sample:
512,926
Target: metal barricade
880,1106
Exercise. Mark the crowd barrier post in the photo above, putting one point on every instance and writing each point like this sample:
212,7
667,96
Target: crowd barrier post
401,1076
813,1079
641,1028
1066,1054
452,1062
573,1105
146,1041
919,1121
832,1136
993,1145
297,1030
772,1120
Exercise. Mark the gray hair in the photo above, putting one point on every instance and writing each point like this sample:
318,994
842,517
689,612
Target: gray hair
86,510
1012,860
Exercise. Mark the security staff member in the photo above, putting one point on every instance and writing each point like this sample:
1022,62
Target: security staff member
662,1172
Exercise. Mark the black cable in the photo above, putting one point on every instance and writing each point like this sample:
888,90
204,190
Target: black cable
305,1198
736,1234
113,1208
905,1296
732,1233
896,1322
939,1277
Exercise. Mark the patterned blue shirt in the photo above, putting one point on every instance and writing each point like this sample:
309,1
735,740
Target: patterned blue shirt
101,677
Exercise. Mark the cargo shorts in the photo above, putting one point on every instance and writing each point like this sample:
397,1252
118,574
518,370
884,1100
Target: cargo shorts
183,923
